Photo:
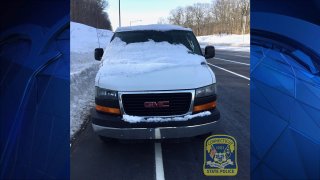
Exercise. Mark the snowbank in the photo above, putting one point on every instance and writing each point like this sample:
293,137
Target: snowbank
84,39
136,119
226,42
137,58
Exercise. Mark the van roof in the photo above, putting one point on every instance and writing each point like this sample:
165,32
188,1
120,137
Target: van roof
152,27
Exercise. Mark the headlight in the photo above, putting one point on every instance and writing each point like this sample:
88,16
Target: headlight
106,93
206,91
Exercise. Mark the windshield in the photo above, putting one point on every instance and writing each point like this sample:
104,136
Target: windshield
185,38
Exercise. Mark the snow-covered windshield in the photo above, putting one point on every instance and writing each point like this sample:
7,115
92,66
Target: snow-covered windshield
140,57
185,38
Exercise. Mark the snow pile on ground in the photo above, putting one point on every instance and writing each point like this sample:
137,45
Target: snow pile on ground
84,39
231,42
136,119
137,58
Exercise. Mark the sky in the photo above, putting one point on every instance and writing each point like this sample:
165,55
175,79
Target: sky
141,12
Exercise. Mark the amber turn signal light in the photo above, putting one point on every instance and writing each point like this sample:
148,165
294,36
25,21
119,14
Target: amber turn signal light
108,110
204,107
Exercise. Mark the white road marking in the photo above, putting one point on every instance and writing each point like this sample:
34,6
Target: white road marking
230,71
159,161
232,61
157,133
234,55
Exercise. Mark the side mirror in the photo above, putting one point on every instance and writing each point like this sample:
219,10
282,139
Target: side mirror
98,52
209,52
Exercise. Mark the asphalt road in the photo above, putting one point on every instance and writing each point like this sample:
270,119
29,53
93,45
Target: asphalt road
181,159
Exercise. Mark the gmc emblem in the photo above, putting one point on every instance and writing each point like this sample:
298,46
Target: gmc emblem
159,104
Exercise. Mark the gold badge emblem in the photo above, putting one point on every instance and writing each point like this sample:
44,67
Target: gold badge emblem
220,156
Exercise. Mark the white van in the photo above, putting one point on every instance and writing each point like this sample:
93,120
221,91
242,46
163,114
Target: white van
154,83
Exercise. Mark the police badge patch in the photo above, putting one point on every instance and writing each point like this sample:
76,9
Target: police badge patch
220,156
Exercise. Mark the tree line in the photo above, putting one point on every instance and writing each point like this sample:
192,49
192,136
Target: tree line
220,16
90,12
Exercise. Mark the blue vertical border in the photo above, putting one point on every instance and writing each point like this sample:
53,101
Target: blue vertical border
35,89
285,89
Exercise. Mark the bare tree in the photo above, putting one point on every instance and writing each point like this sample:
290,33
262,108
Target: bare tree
176,16
90,12
198,12
188,17
220,16
245,12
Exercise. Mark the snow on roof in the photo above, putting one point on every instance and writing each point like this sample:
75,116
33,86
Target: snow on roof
155,27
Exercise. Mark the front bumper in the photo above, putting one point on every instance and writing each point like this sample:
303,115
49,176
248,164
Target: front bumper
114,127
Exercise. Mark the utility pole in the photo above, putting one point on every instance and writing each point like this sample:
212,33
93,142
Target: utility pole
119,15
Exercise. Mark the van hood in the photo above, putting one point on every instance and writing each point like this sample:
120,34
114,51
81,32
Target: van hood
174,78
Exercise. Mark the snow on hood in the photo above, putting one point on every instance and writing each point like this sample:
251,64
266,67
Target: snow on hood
138,58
